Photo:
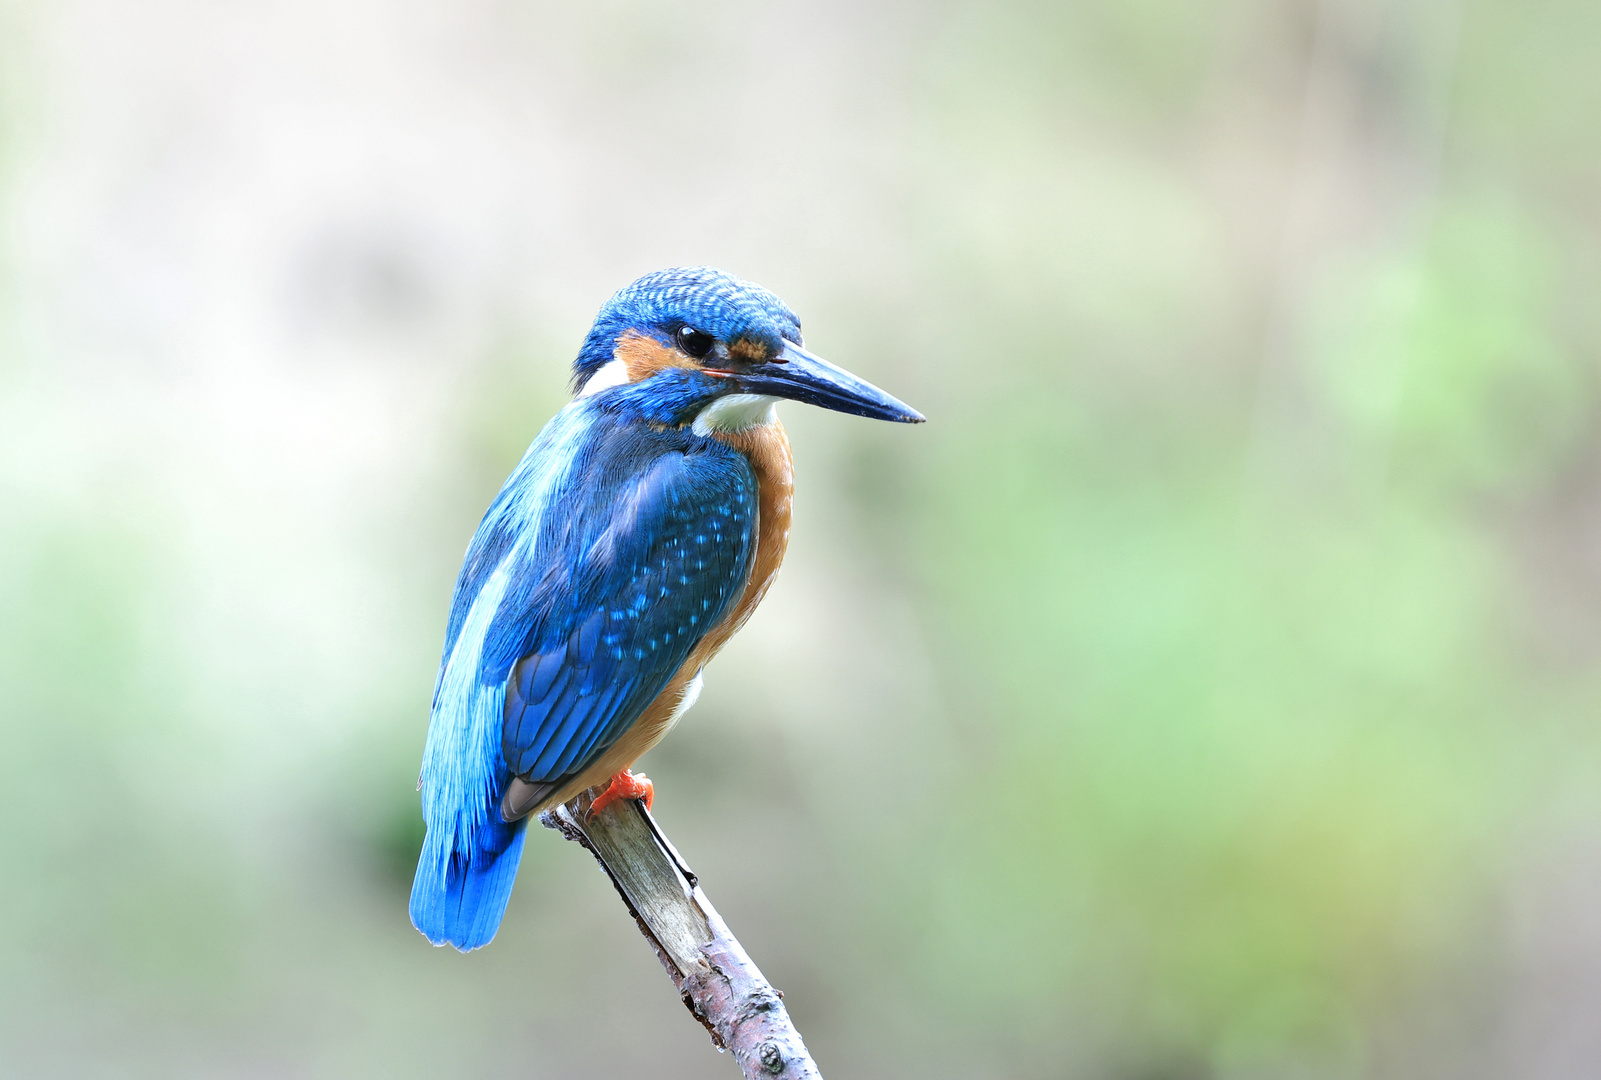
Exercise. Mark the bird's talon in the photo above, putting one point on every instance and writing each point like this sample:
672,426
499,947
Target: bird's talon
625,785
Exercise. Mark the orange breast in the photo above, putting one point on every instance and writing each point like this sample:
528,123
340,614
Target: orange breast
767,449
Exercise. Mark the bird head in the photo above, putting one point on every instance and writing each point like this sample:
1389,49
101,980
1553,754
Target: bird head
695,345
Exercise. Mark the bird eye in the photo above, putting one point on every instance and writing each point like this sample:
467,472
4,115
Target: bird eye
695,343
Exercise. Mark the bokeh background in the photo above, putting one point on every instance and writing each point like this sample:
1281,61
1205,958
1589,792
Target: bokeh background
1208,690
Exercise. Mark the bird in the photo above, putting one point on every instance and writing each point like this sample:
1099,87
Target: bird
638,533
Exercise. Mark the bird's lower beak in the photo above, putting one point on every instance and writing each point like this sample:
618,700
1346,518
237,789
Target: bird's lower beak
801,376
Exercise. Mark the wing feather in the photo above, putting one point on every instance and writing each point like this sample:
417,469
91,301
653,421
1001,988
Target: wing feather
651,551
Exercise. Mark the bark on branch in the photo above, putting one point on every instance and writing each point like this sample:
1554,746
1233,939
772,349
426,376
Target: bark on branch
719,984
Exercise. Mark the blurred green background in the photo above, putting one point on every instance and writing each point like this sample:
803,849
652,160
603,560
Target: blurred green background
1208,690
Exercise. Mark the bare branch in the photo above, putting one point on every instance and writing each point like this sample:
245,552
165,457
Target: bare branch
719,984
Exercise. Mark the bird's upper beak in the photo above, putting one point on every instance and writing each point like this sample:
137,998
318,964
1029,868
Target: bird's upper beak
802,376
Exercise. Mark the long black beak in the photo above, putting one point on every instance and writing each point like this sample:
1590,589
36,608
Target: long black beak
801,376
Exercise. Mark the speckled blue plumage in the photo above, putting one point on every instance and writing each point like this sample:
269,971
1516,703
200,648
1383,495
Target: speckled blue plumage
652,546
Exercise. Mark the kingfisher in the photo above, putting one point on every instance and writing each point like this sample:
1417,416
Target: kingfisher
638,533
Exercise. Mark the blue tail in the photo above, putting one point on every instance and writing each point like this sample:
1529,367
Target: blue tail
459,896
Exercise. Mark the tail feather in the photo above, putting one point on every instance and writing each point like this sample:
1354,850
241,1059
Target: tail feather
469,858
459,896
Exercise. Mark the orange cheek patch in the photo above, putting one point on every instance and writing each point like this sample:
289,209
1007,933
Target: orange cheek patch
748,349
644,356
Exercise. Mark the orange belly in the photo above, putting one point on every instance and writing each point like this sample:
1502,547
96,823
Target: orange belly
767,449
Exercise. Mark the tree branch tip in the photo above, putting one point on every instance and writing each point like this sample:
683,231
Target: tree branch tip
717,981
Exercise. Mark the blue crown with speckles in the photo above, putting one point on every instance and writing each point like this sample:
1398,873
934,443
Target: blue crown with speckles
699,296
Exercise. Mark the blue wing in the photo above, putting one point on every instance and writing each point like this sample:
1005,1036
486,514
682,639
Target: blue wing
609,553
652,553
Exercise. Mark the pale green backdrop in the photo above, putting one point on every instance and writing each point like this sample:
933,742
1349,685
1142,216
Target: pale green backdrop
1209,690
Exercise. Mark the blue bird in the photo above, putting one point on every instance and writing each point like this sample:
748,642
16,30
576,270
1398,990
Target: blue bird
636,536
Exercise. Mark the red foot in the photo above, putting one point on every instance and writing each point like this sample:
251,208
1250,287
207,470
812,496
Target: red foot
625,785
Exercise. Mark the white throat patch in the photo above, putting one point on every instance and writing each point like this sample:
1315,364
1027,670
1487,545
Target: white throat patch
736,412
613,373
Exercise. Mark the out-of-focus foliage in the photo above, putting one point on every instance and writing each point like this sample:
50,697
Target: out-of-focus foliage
1208,690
